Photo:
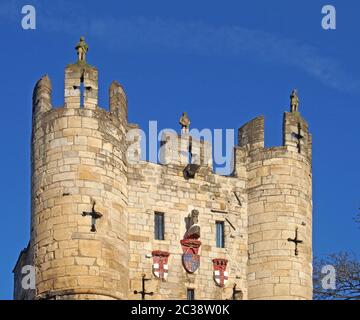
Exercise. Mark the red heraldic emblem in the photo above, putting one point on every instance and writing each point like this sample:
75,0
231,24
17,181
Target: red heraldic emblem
190,257
220,273
160,264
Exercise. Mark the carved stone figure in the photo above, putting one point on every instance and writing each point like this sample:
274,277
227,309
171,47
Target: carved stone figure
193,231
294,101
82,49
191,243
194,217
185,123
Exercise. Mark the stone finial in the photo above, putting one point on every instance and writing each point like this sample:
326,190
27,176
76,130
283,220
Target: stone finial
294,101
82,49
185,123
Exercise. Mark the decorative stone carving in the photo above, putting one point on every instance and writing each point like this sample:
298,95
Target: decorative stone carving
193,229
82,49
190,257
294,101
190,244
185,123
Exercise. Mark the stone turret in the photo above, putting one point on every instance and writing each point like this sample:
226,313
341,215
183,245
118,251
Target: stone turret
279,190
78,159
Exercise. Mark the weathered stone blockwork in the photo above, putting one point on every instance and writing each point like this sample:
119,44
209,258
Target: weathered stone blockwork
79,156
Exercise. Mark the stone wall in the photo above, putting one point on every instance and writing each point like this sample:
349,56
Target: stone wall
155,188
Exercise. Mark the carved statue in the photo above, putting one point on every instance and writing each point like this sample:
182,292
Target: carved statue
193,231
185,123
82,49
294,101
194,217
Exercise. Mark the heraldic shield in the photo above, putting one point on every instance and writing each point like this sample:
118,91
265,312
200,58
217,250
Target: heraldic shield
160,264
220,273
190,257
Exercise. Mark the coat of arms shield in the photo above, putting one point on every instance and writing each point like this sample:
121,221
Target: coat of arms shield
160,264
190,257
220,273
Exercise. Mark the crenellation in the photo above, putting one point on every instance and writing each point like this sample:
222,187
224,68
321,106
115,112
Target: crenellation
251,134
184,149
295,134
118,101
81,86
42,97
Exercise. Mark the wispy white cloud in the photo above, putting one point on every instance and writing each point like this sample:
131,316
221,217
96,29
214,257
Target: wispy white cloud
144,34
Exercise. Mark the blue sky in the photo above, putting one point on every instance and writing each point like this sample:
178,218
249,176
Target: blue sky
222,62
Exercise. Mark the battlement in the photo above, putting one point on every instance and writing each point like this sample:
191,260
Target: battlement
118,101
184,149
251,134
81,86
81,92
42,96
296,136
175,149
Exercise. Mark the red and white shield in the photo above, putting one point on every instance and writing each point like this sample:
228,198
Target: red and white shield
220,273
160,264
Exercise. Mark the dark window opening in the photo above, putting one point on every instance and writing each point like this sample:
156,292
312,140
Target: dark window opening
159,224
220,236
82,92
190,294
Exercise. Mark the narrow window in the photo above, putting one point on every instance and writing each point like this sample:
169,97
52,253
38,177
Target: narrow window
159,224
220,239
190,294
82,92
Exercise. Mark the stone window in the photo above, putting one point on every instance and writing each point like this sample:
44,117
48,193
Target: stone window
159,226
82,92
190,294
220,235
